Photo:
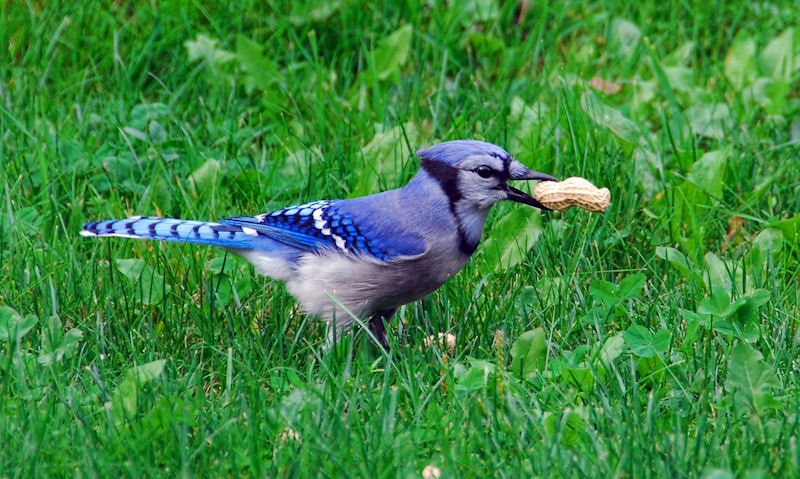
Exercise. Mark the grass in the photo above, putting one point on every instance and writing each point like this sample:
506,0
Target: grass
656,340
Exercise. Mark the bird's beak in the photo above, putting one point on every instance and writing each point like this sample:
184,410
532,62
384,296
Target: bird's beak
520,196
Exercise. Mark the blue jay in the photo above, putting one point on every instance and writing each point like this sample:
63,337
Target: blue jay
364,257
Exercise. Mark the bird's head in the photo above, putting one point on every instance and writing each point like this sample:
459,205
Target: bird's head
475,174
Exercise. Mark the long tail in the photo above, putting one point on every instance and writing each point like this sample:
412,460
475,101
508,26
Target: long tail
169,229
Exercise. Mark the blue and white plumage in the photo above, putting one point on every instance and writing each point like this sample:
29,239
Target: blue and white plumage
371,254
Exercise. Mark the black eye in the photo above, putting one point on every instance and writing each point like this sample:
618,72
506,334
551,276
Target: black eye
484,171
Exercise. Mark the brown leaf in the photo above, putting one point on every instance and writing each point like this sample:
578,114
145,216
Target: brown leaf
606,86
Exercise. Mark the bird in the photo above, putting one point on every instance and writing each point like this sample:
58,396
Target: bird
360,259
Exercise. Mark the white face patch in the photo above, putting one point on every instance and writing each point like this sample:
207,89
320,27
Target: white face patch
477,191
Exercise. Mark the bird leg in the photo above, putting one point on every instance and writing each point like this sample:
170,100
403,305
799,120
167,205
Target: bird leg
377,324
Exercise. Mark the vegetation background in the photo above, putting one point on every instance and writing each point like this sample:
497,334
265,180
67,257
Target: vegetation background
657,340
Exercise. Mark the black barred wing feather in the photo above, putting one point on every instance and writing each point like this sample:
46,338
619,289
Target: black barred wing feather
328,225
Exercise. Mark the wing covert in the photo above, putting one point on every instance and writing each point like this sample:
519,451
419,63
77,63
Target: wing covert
324,225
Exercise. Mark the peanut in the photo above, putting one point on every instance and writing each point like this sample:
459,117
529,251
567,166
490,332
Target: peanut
574,191
446,341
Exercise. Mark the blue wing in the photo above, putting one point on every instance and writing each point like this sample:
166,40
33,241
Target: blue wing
325,225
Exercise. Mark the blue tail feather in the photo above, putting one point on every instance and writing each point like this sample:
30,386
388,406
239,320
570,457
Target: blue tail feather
169,229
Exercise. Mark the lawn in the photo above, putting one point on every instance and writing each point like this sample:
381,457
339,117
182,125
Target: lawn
659,339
